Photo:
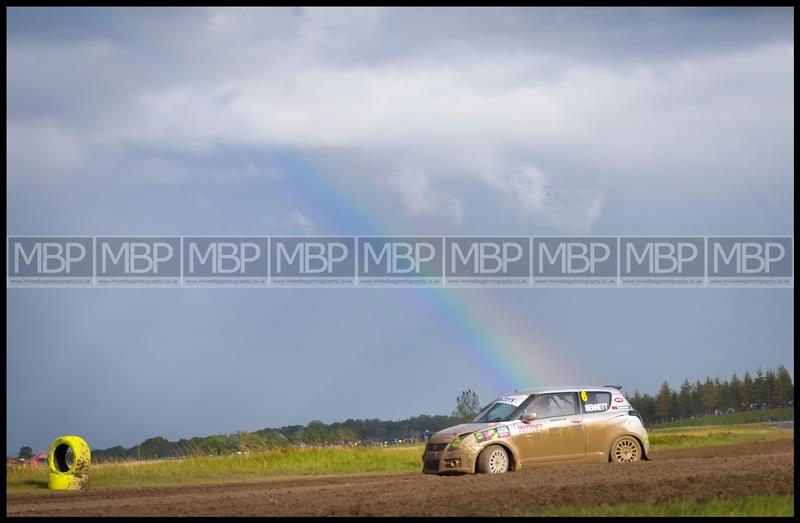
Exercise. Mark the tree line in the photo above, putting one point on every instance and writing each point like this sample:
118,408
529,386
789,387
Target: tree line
702,398
316,433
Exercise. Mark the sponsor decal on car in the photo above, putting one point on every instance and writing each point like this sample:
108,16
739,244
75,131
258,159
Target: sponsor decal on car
619,421
623,420
493,433
528,428
618,399
513,400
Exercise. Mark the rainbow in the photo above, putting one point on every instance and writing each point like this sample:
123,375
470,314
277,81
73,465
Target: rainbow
498,341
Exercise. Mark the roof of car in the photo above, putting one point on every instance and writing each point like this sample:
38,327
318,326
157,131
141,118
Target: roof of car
542,390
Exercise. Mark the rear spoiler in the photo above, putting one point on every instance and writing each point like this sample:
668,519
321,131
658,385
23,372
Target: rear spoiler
618,387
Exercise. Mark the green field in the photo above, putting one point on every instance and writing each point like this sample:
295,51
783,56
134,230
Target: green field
737,418
772,505
296,462
711,436
276,463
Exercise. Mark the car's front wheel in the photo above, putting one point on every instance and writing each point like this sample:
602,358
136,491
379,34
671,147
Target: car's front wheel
626,450
493,460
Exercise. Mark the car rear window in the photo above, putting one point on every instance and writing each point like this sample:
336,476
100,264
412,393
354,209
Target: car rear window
595,402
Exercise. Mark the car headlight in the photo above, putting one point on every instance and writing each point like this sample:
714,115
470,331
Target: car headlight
454,444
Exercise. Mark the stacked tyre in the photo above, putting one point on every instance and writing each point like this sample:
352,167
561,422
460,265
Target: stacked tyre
66,473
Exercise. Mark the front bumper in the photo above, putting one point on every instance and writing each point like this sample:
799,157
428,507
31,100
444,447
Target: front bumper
448,462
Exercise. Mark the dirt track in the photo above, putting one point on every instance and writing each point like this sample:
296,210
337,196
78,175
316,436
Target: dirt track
697,474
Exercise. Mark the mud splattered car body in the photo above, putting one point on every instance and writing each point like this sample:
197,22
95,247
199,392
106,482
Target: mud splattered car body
541,426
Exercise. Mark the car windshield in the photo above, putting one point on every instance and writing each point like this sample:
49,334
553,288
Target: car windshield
500,409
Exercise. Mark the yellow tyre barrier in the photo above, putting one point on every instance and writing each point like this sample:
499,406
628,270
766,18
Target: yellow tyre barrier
66,473
67,482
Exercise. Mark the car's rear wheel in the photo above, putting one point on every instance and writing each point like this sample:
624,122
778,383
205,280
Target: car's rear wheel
626,450
493,460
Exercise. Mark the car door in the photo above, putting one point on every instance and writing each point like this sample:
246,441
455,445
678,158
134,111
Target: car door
557,434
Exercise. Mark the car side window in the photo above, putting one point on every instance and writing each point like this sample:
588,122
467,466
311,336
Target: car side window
596,402
553,405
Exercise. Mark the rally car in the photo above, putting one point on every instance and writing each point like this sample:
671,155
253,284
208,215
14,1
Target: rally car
541,426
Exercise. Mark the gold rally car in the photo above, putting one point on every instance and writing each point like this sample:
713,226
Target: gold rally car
541,426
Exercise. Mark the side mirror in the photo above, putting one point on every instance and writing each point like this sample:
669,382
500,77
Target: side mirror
531,416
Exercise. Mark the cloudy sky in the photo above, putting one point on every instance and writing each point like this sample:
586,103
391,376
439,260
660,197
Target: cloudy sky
383,121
